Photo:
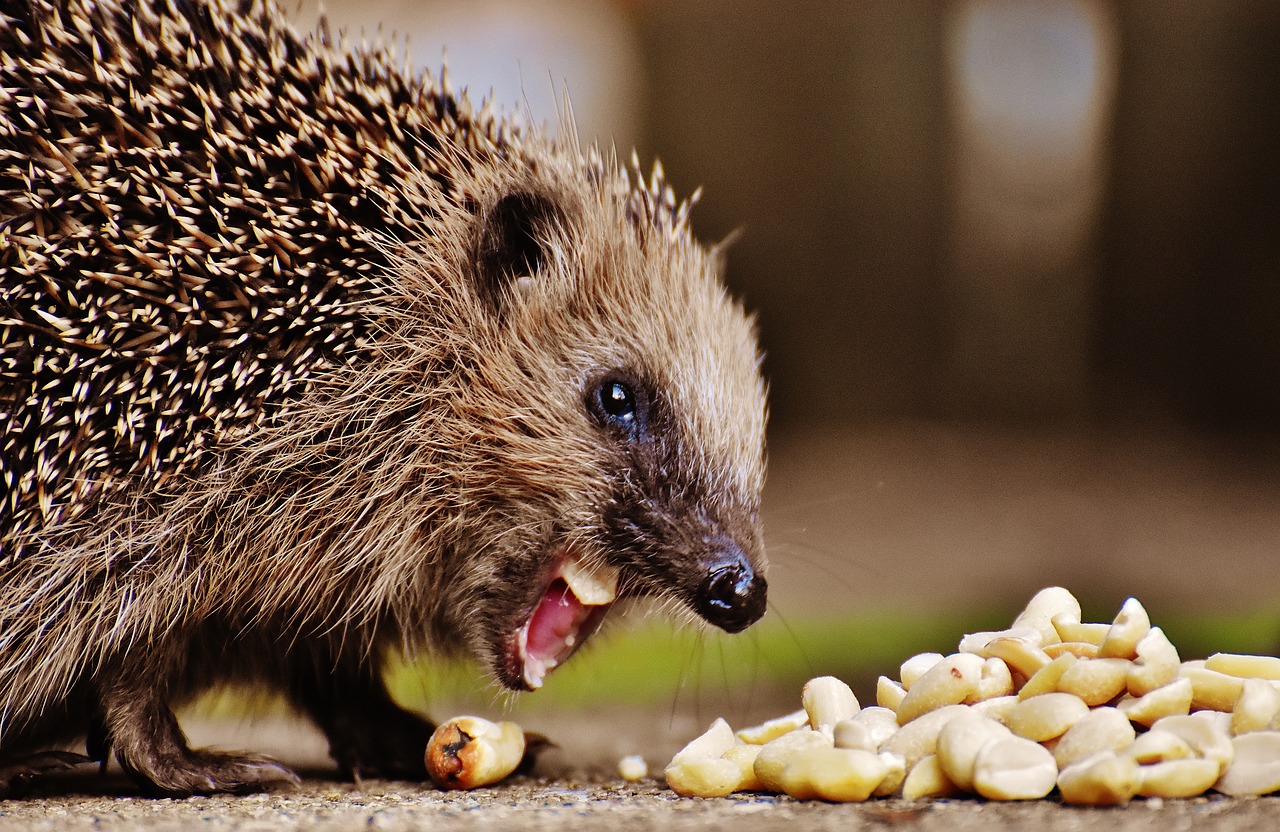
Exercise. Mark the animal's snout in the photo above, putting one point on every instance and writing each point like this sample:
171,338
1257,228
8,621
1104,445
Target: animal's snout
732,596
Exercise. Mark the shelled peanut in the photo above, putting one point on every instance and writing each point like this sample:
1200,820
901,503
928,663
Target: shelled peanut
1103,712
468,752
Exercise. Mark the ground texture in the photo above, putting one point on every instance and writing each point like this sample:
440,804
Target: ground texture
574,787
598,801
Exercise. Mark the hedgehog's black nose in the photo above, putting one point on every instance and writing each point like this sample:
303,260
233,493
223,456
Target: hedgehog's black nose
732,596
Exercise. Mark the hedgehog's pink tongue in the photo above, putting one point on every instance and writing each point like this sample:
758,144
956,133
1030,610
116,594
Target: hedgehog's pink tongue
566,614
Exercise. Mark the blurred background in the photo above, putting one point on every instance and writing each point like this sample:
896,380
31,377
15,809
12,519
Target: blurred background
1017,271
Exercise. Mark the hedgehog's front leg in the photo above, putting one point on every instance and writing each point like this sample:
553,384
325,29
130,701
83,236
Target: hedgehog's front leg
369,734
139,725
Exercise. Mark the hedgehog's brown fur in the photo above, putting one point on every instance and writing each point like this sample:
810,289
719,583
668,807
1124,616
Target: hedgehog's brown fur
297,354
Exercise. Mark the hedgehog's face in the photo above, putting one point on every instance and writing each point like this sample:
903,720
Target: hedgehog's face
627,432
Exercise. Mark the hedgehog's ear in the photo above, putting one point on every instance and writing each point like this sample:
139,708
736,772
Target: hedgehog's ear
512,245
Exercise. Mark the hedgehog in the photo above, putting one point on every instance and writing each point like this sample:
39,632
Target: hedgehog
305,361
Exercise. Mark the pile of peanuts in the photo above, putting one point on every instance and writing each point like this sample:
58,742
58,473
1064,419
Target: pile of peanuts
1101,712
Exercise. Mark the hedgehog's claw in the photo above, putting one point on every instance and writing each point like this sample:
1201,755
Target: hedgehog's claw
17,771
201,771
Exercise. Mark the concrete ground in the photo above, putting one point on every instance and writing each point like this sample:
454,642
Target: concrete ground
900,517
572,804
574,788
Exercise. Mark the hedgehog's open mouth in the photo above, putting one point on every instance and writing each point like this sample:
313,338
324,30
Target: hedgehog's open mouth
570,608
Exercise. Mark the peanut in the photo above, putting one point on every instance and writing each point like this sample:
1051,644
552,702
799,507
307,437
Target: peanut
1255,765
959,743
633,768
926,779
976,643
1046,716
996,680
919,738
997,708
1131,625
701,768
1172,699
827,700
1102,779
895,772
711,744
1014,768
1020,654
704,777
771,763
1096,681
468,752
916,666
1211,689
1043,607
949,682
836,774
1188,777
774,728
1069,629
744,757
856,735
1079,649
1102,729
1217,720
1257,706
1156,664
1158,747
880,723
1206,739
1046,679
889,694
1248,667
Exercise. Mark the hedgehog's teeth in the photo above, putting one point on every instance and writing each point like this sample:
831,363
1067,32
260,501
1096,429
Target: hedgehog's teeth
569,610
595,585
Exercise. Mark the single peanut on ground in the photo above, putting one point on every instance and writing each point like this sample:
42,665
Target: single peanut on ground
468,752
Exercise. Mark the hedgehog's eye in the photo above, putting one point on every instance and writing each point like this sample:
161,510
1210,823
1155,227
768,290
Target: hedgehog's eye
618,401
616,404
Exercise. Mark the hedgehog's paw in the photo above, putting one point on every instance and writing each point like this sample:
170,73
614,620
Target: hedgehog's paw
377,739
369,734
201,771
141,728
17,772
